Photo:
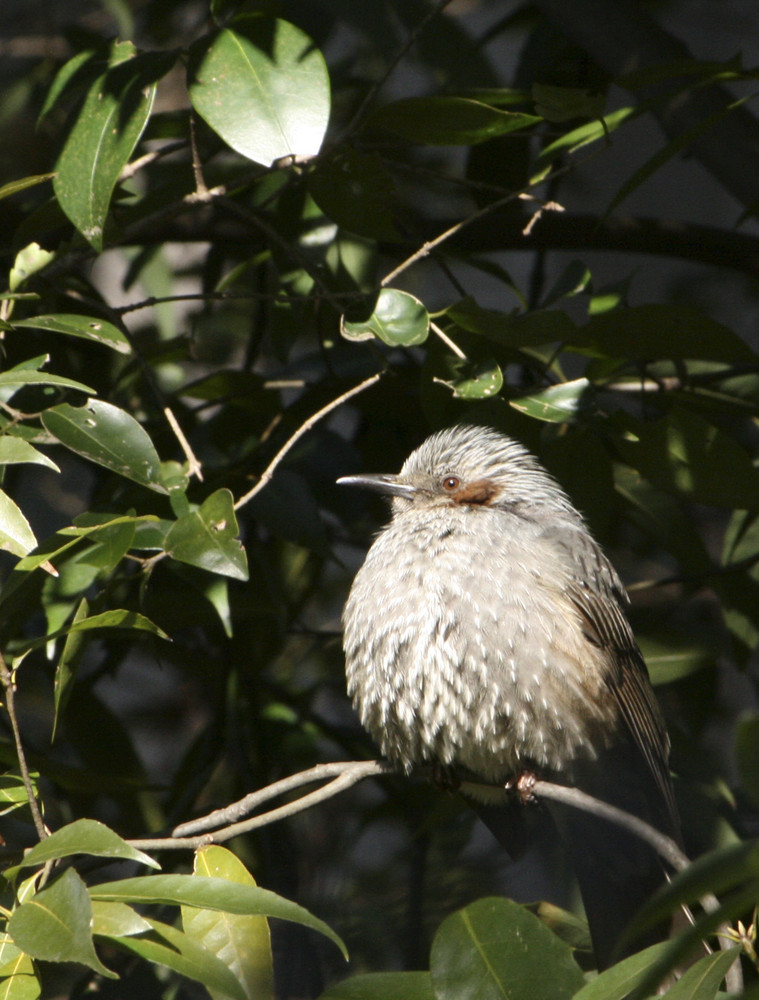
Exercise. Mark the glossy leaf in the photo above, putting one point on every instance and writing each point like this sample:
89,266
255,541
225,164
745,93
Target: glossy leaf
263,86
15,450
207,538
29,261
83,836
558,403
478,381
26,376
399,319
114,114
54,925
117,920
16,535
495,949
213,894
109,436
242,942
184,956
18,980
87,327
448,121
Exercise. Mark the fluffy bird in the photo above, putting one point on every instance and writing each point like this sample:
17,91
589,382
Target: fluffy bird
485,635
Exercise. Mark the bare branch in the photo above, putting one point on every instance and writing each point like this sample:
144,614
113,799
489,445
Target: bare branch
8,683
194,467
304,427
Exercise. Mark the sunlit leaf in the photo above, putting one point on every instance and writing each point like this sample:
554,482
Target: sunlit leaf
263,86
399,319
83,836
87,327
448,121
208,538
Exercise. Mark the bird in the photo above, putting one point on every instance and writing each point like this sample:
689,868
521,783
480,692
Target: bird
486,638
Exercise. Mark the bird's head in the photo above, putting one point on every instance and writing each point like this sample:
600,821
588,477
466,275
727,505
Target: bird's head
471,466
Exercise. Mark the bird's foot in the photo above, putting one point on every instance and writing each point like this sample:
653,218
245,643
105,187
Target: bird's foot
522,785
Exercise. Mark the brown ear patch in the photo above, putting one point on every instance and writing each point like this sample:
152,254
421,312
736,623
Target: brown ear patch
482,491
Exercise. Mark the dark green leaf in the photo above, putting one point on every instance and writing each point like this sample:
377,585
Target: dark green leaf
263,86
496,949
108,127
67,666
448,121
55,925
108,436
579,137
212,894
399,319
615,983
24,376
575,278
562,104
207,538
685,454
383,986
356,191
87,327
117,618
702,980
511,330
657,330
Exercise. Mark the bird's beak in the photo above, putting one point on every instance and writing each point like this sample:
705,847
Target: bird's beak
385,483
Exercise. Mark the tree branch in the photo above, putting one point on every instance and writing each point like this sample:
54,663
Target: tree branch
9,685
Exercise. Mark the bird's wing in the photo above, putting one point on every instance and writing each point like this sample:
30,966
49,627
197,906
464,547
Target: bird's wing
598,595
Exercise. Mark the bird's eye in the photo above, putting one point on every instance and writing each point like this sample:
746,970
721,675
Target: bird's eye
451,483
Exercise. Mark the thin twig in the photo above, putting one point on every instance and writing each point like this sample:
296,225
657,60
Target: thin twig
304,427
194,467
197,165
447,341
9,685
348,773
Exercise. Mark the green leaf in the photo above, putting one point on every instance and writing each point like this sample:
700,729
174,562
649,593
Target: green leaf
117,618
28,261
585,134
399,319
115,112
542,326
18,980
54,925
186,957
702,980
263,86
476,381
574,279
83,836
448,121
207,538
16,535
109,436
615,983
25,376
357,192
242,942
67,666
658,330
383,986
496,949
559,403
685,454
562,104
13,187
212,894
87,327
14,450
117,920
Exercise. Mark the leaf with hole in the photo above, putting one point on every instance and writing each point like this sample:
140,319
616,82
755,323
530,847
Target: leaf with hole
207,538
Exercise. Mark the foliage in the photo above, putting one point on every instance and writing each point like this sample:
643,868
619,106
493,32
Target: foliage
241,261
